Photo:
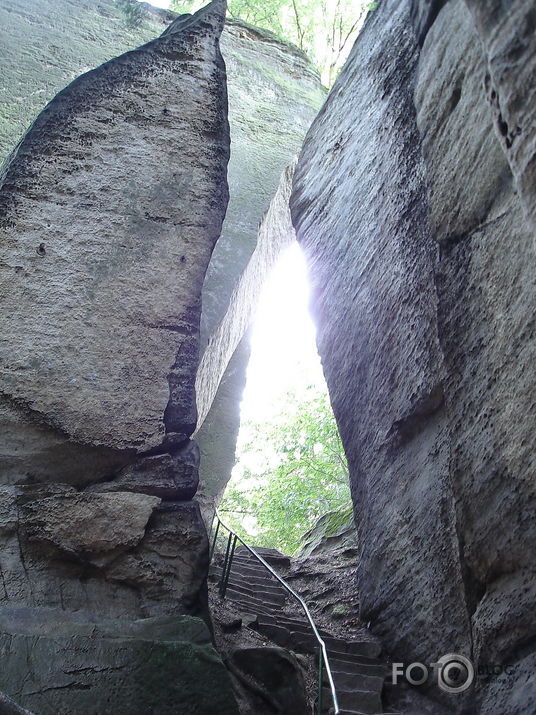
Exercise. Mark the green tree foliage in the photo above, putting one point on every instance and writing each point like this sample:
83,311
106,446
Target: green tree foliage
324,29
289,472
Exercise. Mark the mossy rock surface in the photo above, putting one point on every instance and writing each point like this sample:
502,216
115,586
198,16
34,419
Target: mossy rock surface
55,663
333,530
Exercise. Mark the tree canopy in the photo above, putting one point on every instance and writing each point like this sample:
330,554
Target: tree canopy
324,29
289,472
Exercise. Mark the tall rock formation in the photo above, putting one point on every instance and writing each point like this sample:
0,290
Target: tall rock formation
110,208
112,204
274,95
414,204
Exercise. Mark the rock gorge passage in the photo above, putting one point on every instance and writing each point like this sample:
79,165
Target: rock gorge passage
149,183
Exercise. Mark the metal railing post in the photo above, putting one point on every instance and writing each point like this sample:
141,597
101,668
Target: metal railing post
211,552
320,674
224,569
323,661
229,568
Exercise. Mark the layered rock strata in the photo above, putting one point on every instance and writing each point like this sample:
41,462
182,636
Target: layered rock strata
274,95
111,206
414,209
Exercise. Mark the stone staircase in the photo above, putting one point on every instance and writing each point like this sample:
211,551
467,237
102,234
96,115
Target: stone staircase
358,674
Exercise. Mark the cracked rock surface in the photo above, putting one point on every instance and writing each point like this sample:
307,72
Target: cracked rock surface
111,206
415,217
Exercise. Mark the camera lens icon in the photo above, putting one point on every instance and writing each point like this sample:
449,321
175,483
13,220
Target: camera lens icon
455,673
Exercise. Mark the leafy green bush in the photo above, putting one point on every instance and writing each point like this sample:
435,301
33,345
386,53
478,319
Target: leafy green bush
289,472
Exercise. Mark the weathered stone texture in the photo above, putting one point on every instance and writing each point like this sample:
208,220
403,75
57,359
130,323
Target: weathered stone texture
507,32
370,255
172,477
111,206
88,526
275,233
56,664
268,125
113,554
274,95
421,256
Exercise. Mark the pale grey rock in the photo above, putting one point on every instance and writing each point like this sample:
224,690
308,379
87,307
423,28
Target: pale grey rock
59,664
169,566
96,527
276,232
485,293
333,530
359,207
31,451
217,435
423,289
274,95
103,265
114,554
465,168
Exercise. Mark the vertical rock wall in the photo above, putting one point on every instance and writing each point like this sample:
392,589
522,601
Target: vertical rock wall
111,206
274,95
414,210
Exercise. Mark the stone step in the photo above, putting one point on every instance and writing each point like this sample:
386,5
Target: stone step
291,625
364,701
258,599
260,594
358,681
370,648
278,634
272,556
369,667
251,570
345,650
246,605
258,587
251,582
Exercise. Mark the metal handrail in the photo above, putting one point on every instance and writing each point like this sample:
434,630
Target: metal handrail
323,655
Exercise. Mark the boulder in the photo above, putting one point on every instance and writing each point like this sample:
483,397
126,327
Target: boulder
333,530
55,663
115,553
111,206
274,94
273,677
88,526
172,477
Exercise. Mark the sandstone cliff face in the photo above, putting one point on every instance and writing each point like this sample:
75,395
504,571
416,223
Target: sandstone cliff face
69,663
111,206
103,267
415,214
274,96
